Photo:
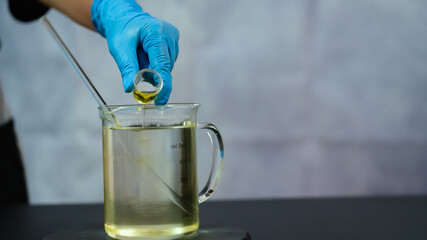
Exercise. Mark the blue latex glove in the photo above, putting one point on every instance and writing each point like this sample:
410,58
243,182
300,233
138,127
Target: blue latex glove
137,40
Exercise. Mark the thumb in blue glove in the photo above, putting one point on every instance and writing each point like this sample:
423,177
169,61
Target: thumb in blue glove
137,40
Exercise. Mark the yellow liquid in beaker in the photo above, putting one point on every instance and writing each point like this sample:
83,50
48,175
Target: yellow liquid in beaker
150,186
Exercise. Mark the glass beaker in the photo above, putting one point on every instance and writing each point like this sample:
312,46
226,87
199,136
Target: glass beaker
150,180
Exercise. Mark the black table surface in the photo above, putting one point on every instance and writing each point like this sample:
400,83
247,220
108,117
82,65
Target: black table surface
317,218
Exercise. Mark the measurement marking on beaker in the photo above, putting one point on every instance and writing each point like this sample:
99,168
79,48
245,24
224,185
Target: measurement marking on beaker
178,145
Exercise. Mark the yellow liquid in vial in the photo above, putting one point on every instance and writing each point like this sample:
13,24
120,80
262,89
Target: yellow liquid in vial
144,97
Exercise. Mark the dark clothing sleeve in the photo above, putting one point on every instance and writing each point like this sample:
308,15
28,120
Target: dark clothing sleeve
27,10
12,175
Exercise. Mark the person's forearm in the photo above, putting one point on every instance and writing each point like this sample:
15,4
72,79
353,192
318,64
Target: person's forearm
78,10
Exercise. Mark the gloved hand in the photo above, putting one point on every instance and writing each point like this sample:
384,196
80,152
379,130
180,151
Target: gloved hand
137,40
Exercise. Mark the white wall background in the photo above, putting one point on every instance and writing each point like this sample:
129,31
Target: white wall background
313,98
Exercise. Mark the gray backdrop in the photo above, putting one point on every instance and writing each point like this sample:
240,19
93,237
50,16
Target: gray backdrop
313,98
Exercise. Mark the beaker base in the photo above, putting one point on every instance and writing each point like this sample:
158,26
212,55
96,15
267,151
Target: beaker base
97,232
154,232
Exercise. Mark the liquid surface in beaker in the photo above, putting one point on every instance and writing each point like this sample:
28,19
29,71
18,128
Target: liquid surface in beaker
150,182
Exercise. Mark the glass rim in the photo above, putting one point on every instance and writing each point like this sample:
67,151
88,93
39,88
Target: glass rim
152,106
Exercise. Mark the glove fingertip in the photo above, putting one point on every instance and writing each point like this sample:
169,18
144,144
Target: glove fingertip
163,96
128,83
160,101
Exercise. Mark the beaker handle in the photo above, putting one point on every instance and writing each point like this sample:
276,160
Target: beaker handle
217,160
